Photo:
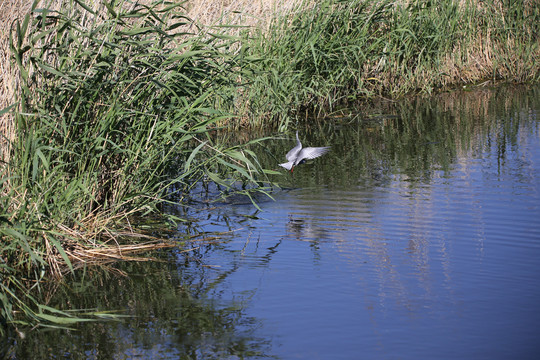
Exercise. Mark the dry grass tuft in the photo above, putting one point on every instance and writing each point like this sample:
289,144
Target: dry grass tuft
81,255
250,13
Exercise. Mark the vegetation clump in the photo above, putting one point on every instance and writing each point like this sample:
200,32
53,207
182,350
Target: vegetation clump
341,52
109,106
114,106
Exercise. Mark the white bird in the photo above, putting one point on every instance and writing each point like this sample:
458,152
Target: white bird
298,155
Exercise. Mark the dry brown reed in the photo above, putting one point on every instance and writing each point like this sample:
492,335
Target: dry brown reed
247,13
10,11
485,53
81,255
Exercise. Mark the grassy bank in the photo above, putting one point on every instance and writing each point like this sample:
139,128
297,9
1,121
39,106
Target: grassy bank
107,106
114,105
338,52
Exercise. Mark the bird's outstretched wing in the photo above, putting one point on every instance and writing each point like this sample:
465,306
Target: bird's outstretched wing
293,153
312,153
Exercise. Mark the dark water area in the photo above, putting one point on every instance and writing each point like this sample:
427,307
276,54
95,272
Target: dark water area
416,237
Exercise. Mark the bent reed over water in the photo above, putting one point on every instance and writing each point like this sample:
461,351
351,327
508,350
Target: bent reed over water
106,106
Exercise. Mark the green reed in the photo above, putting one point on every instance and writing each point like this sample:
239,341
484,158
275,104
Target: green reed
116,104
337,52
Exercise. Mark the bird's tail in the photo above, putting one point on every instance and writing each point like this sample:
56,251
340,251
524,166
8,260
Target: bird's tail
287,165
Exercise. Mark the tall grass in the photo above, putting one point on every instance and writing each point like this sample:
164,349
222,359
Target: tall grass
333,52
114,106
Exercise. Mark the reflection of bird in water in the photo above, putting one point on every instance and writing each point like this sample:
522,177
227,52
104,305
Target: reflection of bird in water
295,226
305,230
296,223
297,155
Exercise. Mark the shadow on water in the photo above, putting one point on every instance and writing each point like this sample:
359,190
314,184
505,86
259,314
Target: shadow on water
417,236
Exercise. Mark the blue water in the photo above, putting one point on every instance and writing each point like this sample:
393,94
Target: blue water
443,271
416,237
400,266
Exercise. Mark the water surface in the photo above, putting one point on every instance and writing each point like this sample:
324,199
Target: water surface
416,237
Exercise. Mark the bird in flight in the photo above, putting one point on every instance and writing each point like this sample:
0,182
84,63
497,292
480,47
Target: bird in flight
297,155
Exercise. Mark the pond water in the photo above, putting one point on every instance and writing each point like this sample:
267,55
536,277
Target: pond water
416,237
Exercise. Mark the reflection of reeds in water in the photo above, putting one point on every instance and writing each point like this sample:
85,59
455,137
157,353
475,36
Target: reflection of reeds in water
426,161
